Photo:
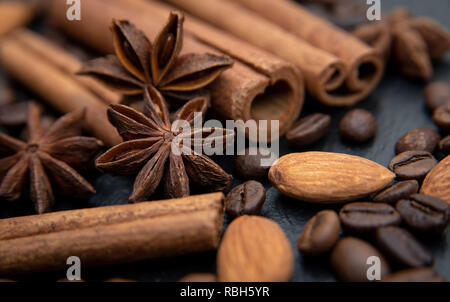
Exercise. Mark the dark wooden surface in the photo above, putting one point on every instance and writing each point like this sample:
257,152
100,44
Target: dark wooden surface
398,107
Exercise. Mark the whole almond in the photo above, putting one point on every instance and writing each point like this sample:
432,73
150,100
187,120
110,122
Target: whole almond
328,177
437,182
254,249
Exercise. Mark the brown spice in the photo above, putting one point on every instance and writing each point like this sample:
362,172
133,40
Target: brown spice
162,236
332,71
48,156
56,86
147,147
14,14
258,86
138,63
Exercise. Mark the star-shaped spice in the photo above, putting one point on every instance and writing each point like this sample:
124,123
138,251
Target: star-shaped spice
148,148
47,158
412,43
138,63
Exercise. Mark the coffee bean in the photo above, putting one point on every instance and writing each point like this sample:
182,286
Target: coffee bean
402,248
421,139
423,213
349,260
399,190
414,275
357,126
412,164
250,165
436,94
320,233
441,117
444,145
363,217
247,198
309,129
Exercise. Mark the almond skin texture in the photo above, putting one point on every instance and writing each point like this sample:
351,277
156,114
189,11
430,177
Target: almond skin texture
437,182
323,177
254,249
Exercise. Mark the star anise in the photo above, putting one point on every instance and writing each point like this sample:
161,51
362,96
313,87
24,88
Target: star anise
137,63
412,43
47,157
149,144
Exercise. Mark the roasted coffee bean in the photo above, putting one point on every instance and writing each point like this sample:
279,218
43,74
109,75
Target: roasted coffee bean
421,139
444,145
320,233
402,248
414,275
412,164
436,94
349,260
250,165
363,217
441,117
399,190
423,213
247,198
357,126
309,129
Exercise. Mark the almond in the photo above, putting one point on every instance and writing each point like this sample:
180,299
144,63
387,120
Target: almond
437,182
254,249
328,177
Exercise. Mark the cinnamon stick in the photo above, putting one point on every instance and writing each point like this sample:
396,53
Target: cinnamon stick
361,61
56,87
162,236
14,14
272,104
327,76
86,218
259,85
66,62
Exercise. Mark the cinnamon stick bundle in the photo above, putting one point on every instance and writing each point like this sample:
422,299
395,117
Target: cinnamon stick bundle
162,231
361,61
334,76
259,86
56,86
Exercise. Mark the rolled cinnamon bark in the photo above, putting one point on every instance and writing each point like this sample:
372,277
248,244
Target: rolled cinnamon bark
14,14
363,65
256,84
85,218
66,62
162,236
273,103
327,76
56,87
